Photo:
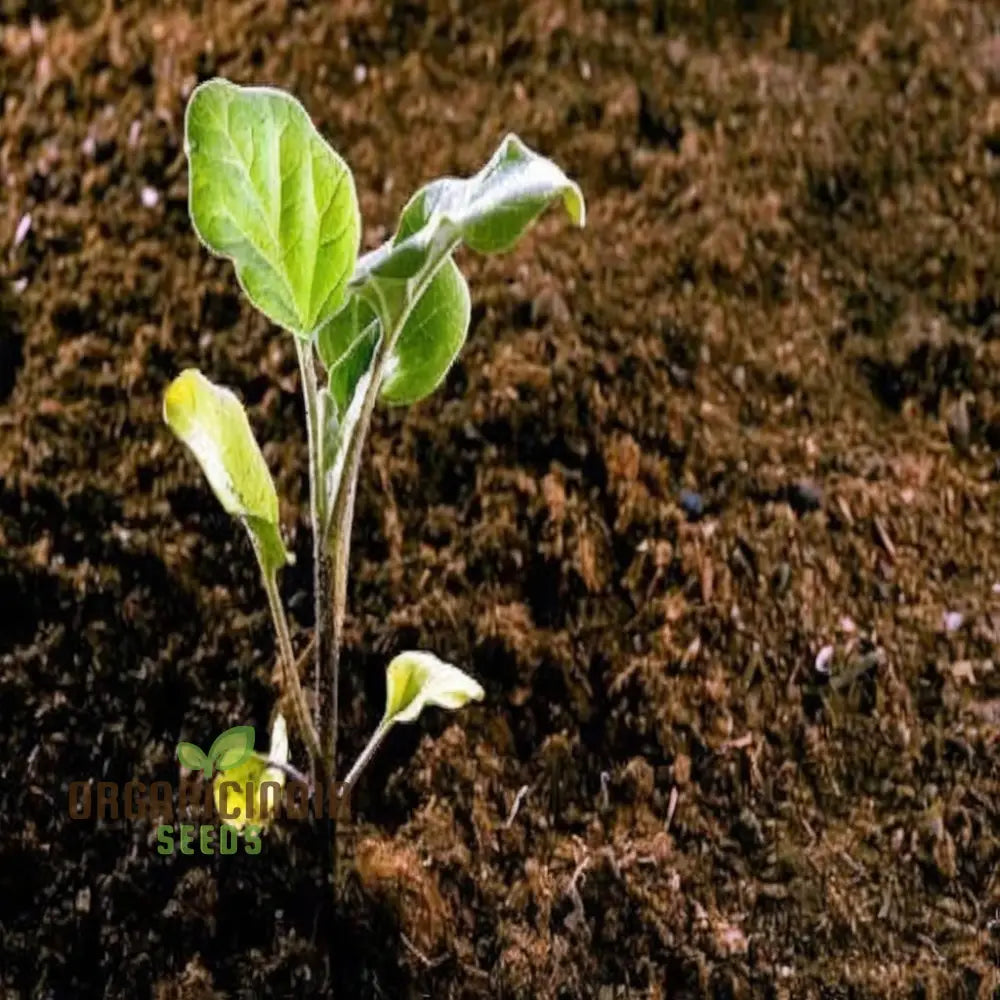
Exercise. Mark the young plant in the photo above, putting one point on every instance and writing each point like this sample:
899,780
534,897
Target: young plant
268,193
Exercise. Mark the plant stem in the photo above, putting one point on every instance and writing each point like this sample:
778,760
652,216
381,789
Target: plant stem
342,513
291,772
366,755
290,682
317,500
341,521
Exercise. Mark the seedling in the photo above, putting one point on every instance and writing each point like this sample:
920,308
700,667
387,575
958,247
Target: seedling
268,193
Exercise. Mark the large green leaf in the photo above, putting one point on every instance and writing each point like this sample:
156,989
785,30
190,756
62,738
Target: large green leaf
211,421
269,193
489,212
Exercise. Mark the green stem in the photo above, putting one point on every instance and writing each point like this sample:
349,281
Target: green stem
314,440
342,517
362,762
290,682
324,672
291,772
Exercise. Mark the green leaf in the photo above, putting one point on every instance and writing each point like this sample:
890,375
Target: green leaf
489,212
345,345
432,336
428,344
211,421
232,747
192,756
416,679
248,775
270,194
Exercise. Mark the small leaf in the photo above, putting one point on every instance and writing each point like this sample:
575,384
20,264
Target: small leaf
192,756
345,346
335,337
270,194
489,212
351,368
417,679
252,772
430,340
432,336
211,421
232,747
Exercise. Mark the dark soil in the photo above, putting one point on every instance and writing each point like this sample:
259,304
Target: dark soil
711,504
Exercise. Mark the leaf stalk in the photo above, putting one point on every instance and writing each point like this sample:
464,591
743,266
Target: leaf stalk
342,511
321,607
290,682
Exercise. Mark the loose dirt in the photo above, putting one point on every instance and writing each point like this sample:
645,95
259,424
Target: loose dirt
710,504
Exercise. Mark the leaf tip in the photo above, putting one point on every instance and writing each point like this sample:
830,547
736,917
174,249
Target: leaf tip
179,398
576,207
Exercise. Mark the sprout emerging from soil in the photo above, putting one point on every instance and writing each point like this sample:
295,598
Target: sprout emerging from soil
268,193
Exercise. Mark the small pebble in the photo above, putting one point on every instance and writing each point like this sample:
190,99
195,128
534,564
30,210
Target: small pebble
360,73
677,52
692,504
823,659
150,197
548,304
23,228
959,426
299,603
952,621
748,831
804,496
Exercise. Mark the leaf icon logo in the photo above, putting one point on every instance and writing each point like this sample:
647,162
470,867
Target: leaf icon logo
229,750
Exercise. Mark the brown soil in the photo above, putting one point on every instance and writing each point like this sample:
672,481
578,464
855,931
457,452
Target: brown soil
786,303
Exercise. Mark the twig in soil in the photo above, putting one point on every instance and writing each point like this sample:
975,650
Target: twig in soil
472,970
882,534
740,743
522,793
428,963
671,807
876,658
927,940
577,918
858,869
